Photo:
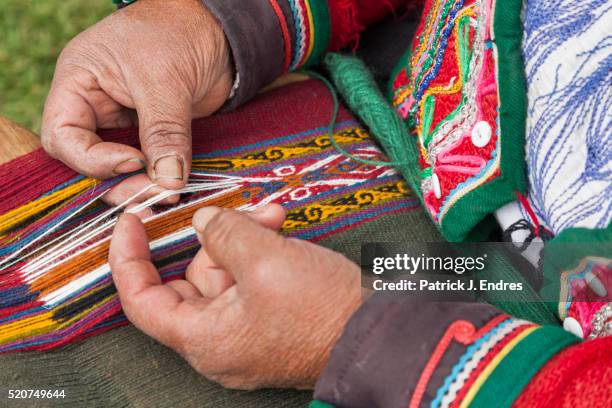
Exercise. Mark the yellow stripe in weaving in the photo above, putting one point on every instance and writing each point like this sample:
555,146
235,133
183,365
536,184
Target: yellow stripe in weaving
320,212
271,155
312,31
494,363
17,215
31,326
43,323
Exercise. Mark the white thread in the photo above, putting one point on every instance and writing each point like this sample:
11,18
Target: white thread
63,248
4,263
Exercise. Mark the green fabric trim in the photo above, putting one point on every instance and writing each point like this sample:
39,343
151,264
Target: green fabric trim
558,259
523,304
459,222
319,404
514,372
508,31
322,26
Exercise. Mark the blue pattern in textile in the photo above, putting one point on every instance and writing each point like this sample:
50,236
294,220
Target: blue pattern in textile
568,58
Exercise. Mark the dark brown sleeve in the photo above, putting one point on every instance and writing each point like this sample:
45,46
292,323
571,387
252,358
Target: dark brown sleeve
255,37
385,347
271,37
402,353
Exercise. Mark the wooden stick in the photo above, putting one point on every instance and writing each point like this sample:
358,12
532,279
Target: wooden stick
15,141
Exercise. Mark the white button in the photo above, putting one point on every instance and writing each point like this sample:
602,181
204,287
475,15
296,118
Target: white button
481,134
571,325
435,183
595,284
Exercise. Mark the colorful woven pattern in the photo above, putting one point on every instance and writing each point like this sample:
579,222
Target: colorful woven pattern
55,284
305,28
504,352
453,92
309,42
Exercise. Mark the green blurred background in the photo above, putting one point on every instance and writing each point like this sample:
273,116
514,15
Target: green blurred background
32,34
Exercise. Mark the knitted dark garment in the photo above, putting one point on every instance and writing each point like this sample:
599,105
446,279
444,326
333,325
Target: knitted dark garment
125,368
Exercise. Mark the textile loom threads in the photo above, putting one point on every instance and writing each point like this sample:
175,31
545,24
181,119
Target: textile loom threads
18,215
55,283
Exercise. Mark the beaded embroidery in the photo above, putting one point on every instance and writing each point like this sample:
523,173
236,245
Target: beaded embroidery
449,92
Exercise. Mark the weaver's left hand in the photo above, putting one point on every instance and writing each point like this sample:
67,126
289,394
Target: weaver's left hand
256,309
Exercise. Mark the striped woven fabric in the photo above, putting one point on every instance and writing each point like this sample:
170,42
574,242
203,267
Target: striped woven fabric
55,284
485,366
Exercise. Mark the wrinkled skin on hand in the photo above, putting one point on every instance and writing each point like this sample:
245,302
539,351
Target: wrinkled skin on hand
156,64
255,310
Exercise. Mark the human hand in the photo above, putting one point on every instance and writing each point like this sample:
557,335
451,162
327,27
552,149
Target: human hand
256,309
166,59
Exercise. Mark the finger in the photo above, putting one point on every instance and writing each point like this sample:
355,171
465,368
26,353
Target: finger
132,189
117,118
204,275
185,289
165,138
237,243
210,280
208,277
68,132
110,114
270,216
153,307
142,214
137,189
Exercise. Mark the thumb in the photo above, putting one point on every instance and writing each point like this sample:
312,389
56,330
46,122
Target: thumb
238,244
208,277
165,138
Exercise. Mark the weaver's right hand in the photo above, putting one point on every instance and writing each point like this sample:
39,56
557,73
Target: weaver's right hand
156,64
255,310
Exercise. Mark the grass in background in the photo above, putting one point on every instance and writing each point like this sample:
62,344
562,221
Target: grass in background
32,35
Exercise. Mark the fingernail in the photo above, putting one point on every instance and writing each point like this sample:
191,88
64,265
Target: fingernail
129,166
202,217
169,167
